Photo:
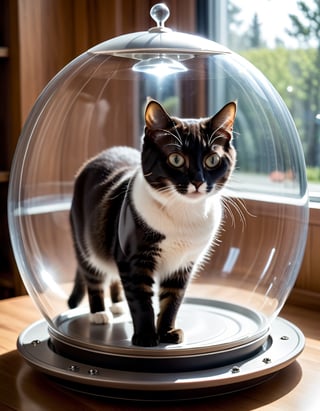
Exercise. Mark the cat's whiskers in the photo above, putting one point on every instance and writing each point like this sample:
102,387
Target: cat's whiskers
235,133
238,205
233,178
170,193
168,199
213,138
176,128
229,211
173,144
176,137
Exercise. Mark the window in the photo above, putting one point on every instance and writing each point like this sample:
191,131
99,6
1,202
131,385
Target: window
282,39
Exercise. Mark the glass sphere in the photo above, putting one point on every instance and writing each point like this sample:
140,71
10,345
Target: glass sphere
98,101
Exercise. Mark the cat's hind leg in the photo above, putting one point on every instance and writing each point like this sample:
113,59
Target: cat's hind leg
99,314
83,280
117,300
78,291
95,281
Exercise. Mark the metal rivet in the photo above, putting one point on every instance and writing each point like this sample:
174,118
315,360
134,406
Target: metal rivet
235,369
35,342
284,337
267,360
74,368
93,371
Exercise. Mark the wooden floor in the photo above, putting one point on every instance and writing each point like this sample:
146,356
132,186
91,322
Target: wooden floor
295,388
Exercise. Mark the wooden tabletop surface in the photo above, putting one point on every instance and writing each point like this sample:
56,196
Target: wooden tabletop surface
297,387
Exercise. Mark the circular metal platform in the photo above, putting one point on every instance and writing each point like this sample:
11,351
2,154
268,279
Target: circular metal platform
226,348
216,333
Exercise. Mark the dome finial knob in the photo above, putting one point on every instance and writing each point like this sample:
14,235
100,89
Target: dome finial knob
160,14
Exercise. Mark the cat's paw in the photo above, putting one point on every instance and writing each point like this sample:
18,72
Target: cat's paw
145,339
118,308
173,336
101,317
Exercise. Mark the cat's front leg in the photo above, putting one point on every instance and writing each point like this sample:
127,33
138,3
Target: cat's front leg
171,293
139,293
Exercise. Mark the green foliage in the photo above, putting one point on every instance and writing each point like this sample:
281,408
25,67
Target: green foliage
313,174
295,75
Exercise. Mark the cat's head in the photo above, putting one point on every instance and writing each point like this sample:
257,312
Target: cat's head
191,157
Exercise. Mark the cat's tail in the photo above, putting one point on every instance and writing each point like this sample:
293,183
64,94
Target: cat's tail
79,289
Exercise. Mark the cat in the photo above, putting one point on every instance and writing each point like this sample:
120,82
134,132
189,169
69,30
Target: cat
140,218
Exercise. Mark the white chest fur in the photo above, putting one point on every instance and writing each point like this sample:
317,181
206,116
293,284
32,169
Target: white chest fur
189,225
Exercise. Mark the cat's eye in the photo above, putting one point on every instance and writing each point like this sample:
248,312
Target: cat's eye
176,160
212,161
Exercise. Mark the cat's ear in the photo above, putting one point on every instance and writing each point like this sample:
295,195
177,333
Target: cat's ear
224,119
156,118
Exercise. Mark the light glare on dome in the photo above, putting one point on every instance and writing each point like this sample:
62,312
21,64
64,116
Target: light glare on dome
159,66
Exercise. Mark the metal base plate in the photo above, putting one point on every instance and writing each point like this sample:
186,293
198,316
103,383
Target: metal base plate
278,349
215,333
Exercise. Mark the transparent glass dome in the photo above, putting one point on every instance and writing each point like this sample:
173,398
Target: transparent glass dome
98,101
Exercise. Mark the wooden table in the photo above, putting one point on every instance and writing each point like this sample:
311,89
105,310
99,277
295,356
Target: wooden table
296,387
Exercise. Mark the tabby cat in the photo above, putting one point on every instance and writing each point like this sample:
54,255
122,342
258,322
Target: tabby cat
151,217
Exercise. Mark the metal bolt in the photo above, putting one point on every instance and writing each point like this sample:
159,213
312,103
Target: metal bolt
93,371
284,337
235,369
74,368
35,342
267,360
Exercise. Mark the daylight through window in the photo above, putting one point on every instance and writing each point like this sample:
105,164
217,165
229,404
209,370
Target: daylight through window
282,39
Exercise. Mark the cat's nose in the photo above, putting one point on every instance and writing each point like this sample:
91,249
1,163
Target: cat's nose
197,183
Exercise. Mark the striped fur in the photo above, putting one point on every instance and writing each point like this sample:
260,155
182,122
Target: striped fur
140,218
